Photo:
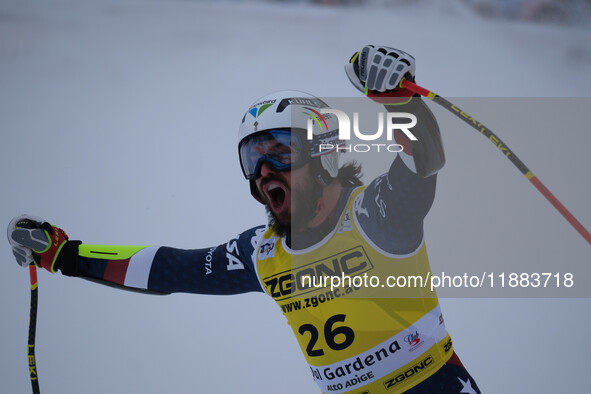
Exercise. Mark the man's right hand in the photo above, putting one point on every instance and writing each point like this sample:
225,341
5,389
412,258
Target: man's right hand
380,69
33,240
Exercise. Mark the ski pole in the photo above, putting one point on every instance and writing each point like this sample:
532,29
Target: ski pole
505,150
32,329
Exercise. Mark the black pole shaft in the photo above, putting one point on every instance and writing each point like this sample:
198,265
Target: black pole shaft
32,330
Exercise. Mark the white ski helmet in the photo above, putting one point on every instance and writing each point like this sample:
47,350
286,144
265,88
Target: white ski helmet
296,110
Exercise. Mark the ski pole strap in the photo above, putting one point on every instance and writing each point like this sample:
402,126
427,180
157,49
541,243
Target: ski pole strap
32,329
505,150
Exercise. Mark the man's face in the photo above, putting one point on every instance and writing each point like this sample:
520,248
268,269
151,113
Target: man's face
290,196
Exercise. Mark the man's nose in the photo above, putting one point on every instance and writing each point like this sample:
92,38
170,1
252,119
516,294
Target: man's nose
267,169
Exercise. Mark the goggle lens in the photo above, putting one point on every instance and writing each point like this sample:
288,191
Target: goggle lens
282,149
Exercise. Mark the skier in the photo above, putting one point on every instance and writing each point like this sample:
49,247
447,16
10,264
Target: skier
321,220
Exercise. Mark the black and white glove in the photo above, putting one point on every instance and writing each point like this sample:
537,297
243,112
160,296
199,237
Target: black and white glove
35,241
380,69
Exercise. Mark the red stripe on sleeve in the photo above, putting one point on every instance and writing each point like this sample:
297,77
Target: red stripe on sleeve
116,271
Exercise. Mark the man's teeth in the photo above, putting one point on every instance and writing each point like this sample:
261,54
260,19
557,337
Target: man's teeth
273,187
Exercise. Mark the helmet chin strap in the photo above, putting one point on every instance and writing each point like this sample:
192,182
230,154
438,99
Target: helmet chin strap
322,176
255,192
321,180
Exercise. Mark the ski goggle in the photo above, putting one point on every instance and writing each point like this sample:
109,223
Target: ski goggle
282,149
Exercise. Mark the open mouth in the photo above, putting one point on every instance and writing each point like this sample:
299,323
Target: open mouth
276,194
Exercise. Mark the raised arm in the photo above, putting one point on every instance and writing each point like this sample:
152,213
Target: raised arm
394,205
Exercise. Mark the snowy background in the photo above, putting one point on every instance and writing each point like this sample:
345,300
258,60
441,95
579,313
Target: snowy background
118,123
